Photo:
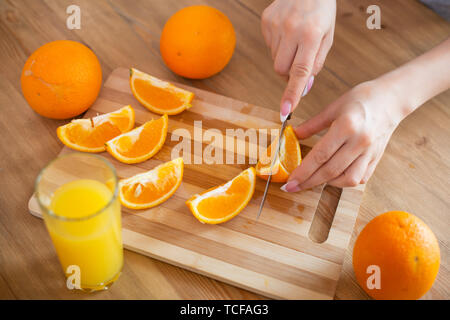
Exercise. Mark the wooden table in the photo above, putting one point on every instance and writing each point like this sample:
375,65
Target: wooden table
413,175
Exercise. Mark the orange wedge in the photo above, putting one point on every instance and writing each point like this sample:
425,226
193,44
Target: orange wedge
157,95
148,189
289,158
90,135
224,202
141,143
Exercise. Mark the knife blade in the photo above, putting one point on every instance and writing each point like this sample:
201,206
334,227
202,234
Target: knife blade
283,126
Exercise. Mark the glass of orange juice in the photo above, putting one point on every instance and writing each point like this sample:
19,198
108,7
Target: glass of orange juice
77,194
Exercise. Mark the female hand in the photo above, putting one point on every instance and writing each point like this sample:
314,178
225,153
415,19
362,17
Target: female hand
360,124
299,34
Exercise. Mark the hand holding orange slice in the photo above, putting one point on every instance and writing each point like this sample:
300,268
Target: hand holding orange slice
153,187
157,95
224,202
141,143
289,158
90,135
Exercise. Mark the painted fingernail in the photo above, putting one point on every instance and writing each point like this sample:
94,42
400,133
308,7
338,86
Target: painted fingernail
291,186
308,86
285,110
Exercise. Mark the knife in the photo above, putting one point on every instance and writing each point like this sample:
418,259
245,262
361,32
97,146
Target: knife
283,126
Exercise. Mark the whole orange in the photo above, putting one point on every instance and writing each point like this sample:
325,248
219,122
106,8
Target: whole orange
61,79
197,42
406,252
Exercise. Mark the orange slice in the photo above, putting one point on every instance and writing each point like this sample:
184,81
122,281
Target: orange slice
153,187
157,95
90,135
289,158
141,143
224,202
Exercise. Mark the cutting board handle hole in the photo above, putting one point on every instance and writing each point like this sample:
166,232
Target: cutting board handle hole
324,215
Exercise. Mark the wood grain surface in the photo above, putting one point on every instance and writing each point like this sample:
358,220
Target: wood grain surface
412,175
274,256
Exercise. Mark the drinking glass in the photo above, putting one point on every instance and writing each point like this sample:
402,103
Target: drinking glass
78,197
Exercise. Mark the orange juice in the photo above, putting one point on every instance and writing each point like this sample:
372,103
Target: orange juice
85,228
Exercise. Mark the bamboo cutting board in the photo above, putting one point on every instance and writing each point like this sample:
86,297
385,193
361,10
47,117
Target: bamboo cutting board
273,256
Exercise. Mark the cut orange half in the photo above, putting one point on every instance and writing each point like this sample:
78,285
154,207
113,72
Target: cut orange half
224,202
90,135
157,95
148,189
141,143
288,159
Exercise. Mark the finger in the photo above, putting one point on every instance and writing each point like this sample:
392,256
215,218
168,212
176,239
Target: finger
324,149
379,150
285,57
325,47
368,174
353,175
299,76
274,45
334,167
267,36
370,170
